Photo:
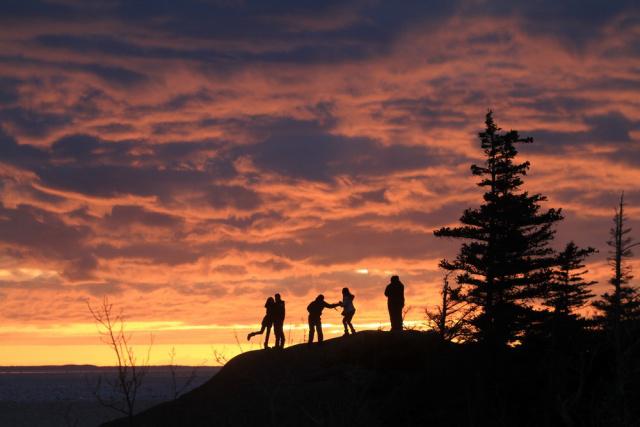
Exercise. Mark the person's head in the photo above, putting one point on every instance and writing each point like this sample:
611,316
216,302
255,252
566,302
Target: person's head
278,299
269,302
395,279
320,297
345,291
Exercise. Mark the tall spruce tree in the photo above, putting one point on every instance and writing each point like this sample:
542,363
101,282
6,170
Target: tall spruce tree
505,265
621,311
568,290
622,306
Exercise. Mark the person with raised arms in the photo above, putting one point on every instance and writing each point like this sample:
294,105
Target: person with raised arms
315,312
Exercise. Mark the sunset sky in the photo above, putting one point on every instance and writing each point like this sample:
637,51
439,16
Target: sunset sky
190,158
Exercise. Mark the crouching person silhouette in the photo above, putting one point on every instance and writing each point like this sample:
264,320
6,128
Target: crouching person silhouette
278,321
267,322
315,312
348,310
395,302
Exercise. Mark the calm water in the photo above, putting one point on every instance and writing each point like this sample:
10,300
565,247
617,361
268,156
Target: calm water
65,395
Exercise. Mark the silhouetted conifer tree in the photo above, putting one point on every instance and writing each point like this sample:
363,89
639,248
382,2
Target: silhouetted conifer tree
568,291
623,305
621,311
506,263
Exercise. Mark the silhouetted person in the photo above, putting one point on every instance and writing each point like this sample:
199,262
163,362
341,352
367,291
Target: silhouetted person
395,302
348,310
278,321
315,312
267,322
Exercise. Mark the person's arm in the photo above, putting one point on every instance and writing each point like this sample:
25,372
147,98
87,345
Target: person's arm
386,291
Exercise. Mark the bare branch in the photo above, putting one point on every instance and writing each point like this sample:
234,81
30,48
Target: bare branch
130,372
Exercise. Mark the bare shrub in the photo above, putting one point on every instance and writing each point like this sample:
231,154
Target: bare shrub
130,371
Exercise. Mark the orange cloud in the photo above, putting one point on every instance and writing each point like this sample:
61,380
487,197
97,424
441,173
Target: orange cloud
188,162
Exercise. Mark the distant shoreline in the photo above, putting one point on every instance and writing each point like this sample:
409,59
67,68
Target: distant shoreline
10,367
97,370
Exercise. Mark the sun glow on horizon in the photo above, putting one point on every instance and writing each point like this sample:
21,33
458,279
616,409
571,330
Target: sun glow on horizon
157,339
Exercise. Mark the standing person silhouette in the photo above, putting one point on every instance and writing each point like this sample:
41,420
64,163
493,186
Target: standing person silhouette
348,310
315,312
267,322
395,302
278,321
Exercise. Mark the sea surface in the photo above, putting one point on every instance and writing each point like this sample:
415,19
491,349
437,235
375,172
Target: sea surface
66,396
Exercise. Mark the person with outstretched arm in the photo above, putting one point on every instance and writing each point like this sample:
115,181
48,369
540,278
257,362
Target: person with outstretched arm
348,310
315,312
267,322
395,302
278,321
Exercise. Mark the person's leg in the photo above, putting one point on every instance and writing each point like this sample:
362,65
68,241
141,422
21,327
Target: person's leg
266,338
262,328
319,326
276,332
282,338
345,322
396,318
311,330
392,318
348,319
281,334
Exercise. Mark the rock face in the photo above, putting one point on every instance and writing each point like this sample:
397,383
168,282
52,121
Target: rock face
373,379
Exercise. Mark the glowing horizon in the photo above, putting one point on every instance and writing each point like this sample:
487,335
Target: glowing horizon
75,343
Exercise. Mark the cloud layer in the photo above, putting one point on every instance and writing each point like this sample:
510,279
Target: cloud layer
189,158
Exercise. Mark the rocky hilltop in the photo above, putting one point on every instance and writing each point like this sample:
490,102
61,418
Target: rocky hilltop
377,379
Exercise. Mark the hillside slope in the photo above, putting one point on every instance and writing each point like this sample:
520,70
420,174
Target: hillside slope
372,379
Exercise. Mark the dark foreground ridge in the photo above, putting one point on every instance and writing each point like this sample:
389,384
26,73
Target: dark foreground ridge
375,379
